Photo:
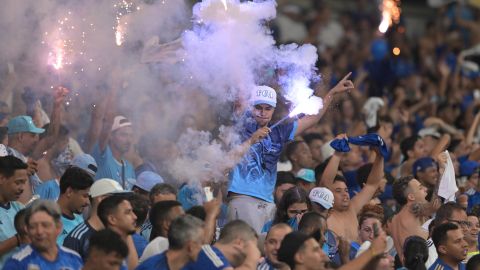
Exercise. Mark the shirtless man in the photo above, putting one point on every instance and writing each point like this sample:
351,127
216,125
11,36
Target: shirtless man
342,219
410,194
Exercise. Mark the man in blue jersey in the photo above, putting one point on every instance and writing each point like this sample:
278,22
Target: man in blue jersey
43,227
252,180
452,248
107,251
13,177
75,184
79,238
235,248
272,243
185,239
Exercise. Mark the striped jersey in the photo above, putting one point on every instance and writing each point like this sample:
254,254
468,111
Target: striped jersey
79,239
30,259
209,258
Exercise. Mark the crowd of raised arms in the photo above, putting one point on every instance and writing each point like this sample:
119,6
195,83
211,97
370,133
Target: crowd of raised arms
384,176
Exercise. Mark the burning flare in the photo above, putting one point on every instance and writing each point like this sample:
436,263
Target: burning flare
390,14
224,2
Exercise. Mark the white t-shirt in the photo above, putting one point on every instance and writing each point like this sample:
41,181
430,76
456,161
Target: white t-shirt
156,246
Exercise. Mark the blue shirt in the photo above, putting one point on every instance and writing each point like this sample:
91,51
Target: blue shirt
209,258
7,228
48,190
78,239
440,265
473,199
69,224
146,230
109,167
265,265
256,173
28,259
140,243
158,262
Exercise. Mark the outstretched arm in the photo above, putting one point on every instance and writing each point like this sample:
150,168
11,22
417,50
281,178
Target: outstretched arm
371,186
310,120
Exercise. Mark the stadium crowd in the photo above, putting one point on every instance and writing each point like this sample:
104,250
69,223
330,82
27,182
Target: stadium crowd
385,176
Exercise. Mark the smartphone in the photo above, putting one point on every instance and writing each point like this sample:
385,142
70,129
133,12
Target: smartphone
208,193
375,230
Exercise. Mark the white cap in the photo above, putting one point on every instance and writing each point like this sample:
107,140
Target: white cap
119,122
265,95
322,196
105,186
429,131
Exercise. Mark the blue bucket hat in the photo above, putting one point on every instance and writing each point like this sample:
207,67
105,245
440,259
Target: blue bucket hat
23,123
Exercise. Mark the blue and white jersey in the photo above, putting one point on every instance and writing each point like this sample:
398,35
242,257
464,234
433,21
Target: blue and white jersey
78,239
109,167
209,258
146,230
30,259
441,265
7,228
69,223
255,175
265,265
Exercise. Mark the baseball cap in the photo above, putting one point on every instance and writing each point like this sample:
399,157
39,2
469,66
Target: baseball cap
469,167
422,164
23,123
105,186
429,131
322,196
265,95
290,245
120,121
85,162
147,179
306,175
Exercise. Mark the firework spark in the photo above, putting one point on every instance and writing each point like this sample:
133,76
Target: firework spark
390,14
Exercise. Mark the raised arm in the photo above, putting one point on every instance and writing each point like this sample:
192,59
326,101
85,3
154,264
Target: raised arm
371,186
310,120
330,171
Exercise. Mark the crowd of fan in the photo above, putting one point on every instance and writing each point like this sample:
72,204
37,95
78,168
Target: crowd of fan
386,176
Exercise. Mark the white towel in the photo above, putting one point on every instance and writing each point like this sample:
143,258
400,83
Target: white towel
448,186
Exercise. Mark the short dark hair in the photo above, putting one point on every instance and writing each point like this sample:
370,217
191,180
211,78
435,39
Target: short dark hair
285,178
311,220
474,262
363,173
236,229
408,144
160,212
197,211
291,148
183,229
445,212
19,221
140,207
399,189
415,252
108,206
9,164
76,179
439,234
162,188
109,242
310,137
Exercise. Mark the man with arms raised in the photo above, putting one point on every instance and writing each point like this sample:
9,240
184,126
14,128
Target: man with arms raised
252,180
342,217
410,195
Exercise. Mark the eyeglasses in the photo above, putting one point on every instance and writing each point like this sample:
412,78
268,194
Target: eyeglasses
297,212
462,223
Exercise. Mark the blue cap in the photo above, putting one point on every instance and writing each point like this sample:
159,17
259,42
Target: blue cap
422,164
468,167
23,123
86,163
147,179
306,175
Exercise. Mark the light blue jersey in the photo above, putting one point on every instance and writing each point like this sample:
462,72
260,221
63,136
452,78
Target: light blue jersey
68,225
255,175
109,167
7,229
30,259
